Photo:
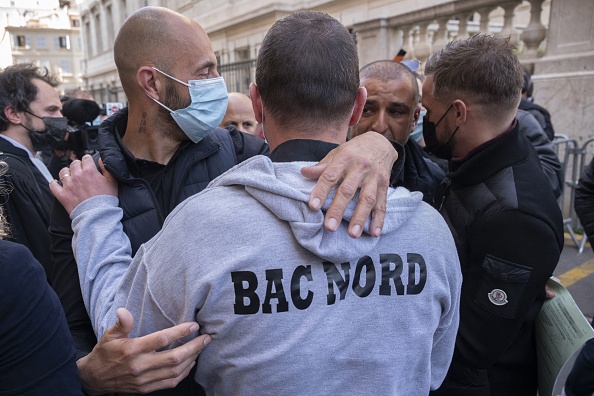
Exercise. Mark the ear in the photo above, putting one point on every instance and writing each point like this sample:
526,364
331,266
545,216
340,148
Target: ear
461,111
256,102
359,105
12,116
146,77
416,115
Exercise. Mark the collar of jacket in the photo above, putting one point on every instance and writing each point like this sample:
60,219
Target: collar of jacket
112,146
503,151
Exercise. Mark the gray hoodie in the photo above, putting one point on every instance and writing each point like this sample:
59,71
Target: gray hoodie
292,308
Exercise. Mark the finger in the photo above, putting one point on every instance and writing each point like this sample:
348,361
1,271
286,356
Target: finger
344,194
122,328
163,378
63,171
549,293
87,162
365,205
378,215
167,368
163,338
104,171
171,380
76,168
321,190
56,189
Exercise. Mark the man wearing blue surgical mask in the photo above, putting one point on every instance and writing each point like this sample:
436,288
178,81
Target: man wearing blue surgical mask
164,148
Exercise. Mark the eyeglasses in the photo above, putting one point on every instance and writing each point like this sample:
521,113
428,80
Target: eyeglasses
412,64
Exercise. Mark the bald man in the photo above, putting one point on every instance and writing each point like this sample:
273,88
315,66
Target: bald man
166,147
241,115
392,109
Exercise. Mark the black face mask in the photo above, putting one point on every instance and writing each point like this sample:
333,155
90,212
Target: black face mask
52,138
443,151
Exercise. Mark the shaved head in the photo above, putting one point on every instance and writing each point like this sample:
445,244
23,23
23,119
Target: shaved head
240,114
155,36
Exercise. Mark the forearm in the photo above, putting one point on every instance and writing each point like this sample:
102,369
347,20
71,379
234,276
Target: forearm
103,254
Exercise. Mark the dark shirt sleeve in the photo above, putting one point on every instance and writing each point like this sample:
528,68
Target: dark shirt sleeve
36,352
246,145
65,281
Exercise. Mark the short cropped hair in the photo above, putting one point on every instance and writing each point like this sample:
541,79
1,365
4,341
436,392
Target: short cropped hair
307,70
389,70
17,89
483,69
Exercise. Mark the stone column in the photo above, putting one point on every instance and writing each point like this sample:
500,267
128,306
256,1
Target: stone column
440,37
535,32
422,49
508,23
463,25
406,39
484,13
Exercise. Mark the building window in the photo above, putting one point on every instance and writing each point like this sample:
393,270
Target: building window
65,66
21,41
41,42
63,42
74,22
242,54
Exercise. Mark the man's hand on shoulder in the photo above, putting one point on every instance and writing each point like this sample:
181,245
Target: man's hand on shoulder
133,365
82,181
363,162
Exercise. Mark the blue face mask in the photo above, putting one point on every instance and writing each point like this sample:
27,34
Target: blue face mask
208,107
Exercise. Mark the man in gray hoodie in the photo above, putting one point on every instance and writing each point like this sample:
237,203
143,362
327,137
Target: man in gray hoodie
292,309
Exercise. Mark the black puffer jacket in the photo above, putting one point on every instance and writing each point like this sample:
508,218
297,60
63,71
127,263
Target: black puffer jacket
418,172
508,230
189,171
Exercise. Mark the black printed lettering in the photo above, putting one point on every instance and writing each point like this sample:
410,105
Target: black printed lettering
274,278
415,260
334,277
249,293
387,261
301,272
367,288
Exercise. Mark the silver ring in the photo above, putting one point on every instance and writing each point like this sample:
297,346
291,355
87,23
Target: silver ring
65,176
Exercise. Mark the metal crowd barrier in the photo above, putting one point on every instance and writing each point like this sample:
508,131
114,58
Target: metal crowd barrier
569,155
573,161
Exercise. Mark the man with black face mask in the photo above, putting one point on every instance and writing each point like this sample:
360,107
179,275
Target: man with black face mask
30,121
500,208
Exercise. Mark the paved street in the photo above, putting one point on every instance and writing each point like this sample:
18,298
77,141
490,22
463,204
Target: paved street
576,272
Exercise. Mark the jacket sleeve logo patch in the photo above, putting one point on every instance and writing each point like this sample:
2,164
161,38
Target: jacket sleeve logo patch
498,297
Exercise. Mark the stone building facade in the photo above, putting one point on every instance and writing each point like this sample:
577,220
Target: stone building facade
46,33
559,50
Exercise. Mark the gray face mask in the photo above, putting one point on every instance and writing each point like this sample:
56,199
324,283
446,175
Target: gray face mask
52,137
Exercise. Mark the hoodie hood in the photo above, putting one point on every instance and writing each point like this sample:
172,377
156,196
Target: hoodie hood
281,188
